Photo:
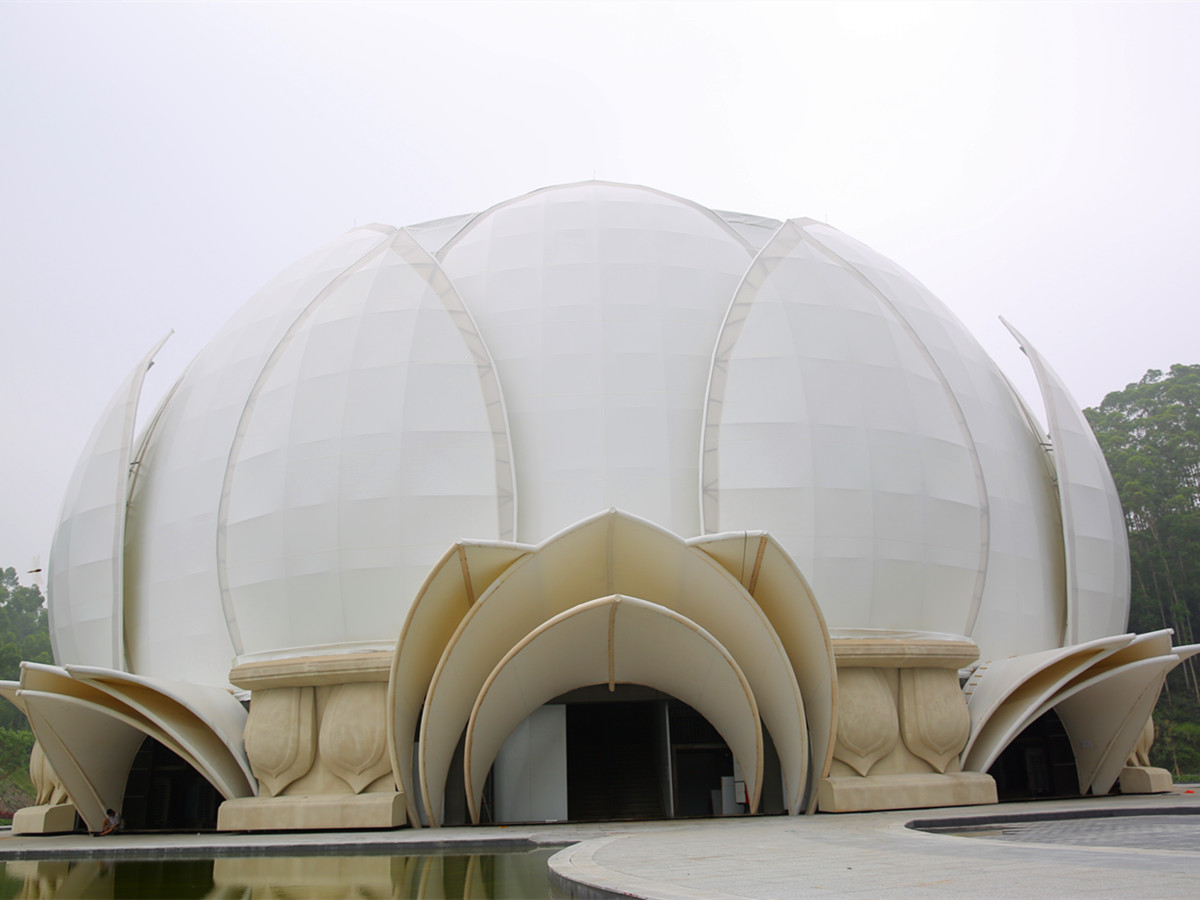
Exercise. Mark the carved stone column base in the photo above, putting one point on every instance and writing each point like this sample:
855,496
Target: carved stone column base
855,793
902,724
58,818
329,812
316,739
1145,780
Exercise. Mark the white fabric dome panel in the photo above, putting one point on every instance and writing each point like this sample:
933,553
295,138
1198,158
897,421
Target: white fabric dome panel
1096,543
599,304
365,451
87,555
505,375
1020,606
175,623
875,494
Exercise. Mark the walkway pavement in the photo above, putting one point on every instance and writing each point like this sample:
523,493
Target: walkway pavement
876,855
1095,847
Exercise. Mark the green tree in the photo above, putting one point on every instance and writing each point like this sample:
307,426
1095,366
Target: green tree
24,635
1150,435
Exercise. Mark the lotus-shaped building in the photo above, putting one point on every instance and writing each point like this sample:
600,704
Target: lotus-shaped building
597,492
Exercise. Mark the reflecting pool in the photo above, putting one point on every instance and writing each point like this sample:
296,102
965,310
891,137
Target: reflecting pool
507,874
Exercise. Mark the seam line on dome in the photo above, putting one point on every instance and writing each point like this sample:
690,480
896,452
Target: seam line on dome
714,389
479,217
489,379
284,342
959,415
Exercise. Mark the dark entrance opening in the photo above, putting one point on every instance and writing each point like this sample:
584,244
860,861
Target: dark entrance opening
637,753
701,759
614,761
164,793
1038,764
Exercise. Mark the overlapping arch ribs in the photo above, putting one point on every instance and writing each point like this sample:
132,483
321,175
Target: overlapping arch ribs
1102,691
90,722
499,629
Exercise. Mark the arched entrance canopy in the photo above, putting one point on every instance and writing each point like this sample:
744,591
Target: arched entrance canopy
449,592
614,640
611,553
772,578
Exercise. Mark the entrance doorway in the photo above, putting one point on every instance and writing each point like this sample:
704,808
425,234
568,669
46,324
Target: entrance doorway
614,761
1038,764
702,763
164,793
634,753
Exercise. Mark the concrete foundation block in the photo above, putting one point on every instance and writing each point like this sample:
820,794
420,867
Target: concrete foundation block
319,812
904,791
56,819
1145,780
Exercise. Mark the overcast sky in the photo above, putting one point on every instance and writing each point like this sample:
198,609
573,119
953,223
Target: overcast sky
159,163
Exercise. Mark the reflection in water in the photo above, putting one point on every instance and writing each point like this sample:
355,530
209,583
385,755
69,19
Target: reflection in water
484,876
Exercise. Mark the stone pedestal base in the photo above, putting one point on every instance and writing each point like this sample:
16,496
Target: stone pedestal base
855,793
1145,780
329,812
902,724
56,819
316,738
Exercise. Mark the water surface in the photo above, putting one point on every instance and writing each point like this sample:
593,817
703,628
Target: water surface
445,876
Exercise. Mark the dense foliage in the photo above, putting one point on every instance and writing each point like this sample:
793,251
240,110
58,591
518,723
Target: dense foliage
24,635
1150,435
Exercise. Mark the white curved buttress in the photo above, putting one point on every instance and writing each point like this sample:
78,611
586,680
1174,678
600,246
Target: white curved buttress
87,556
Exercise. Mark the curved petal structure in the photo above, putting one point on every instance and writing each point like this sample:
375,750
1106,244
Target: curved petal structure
1097,545
1103,693
90,723
1004,694
94,781
615,640
207,723
87,556
1105,715
771,577
452,587
1102,707
87,737
609,554
8,690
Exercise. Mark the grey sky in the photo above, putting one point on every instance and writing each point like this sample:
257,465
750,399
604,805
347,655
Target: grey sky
161,162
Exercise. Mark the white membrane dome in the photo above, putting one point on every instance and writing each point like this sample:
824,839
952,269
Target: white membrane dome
505,375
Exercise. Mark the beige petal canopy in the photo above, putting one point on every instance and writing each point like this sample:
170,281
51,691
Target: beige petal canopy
615,640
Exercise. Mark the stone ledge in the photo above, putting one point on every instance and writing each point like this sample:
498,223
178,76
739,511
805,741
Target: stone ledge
327,812
307,671
903,653
852,793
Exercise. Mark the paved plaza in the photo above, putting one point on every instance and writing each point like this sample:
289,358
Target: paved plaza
1091,847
